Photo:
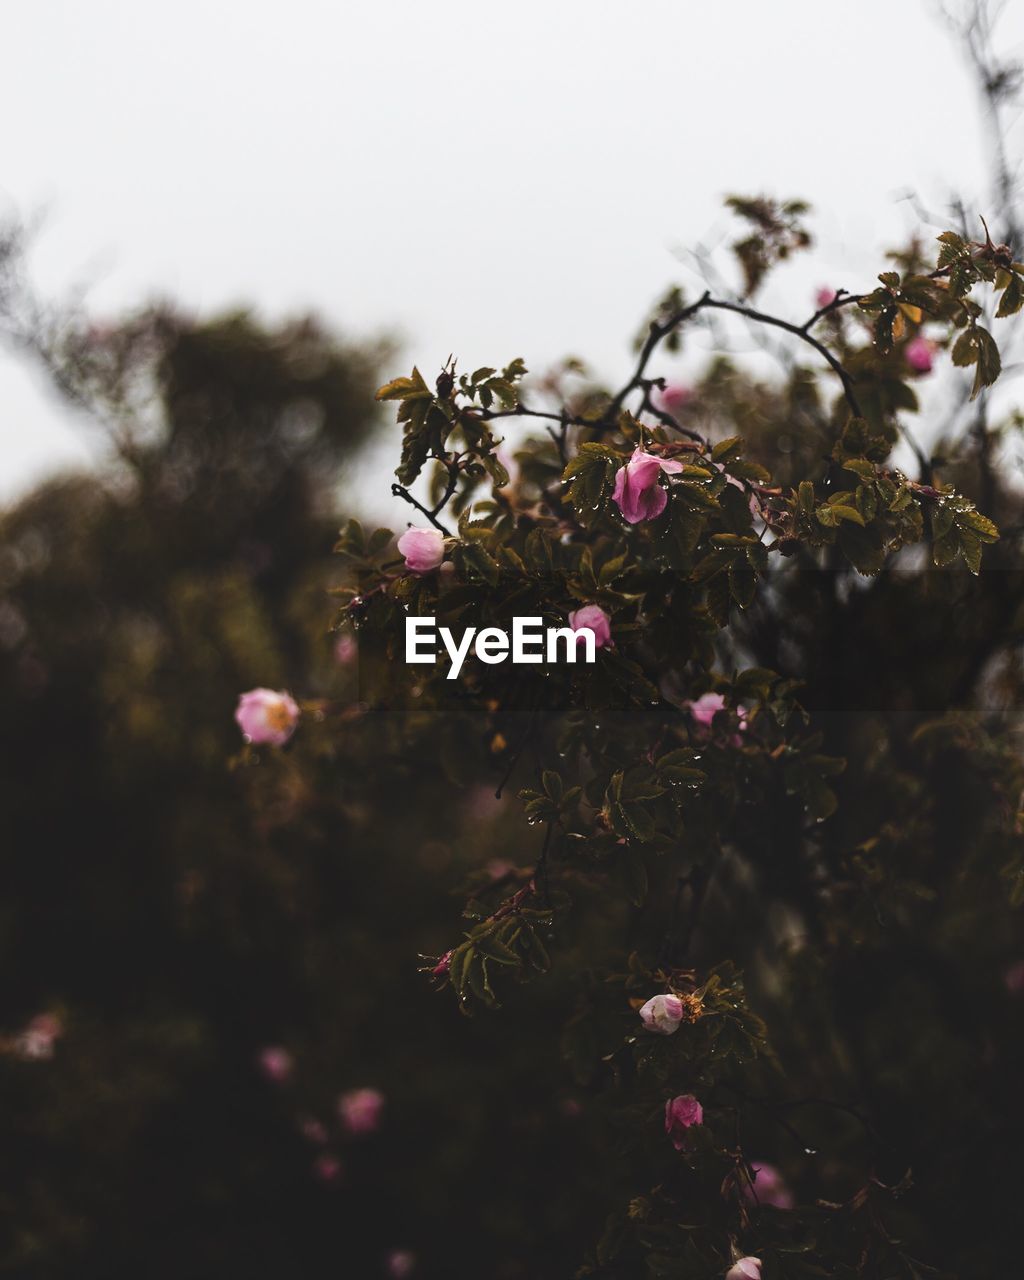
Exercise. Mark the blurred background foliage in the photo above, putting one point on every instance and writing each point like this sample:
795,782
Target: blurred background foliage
178,917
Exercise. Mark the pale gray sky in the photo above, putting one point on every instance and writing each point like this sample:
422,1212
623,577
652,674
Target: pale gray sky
488,179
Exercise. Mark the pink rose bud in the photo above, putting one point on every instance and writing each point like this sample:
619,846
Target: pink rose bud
676,396
275,1063
400,1264
637,492
662,1014
266,716
327,1167
423,549
682,1113
745,1269
918,354
769,1188
361,1110
595,619
824,297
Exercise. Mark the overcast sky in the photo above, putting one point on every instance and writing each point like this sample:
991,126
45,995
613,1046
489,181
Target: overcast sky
487,179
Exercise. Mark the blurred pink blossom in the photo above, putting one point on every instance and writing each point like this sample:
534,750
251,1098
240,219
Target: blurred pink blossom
327,1167
400,1264
745,1269
361,1110
312,1130
824,297
769,1188
36,1042
676,396
345,649
1014,978
918,354
266,716
275,1063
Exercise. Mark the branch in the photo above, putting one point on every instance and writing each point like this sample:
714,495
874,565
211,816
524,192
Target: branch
659,331
400,491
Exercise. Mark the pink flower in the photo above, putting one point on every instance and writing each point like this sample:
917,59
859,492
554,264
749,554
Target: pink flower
36,1042
1014,978
361,1110
676,396
423,549
312,1130
266,716
400,1264
682,1113
918,354
745,1269
327,1167
275,1062
707,706
662,1014
593,617
824,297
769,1188
637,492
345,649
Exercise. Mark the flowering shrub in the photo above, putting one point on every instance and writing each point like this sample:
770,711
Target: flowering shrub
714,794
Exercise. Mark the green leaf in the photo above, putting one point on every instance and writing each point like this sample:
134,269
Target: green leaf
727,449
611,569
487,944
946,548
1012,298
719,597
413,388
862,547
552,784
977,346
742,584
